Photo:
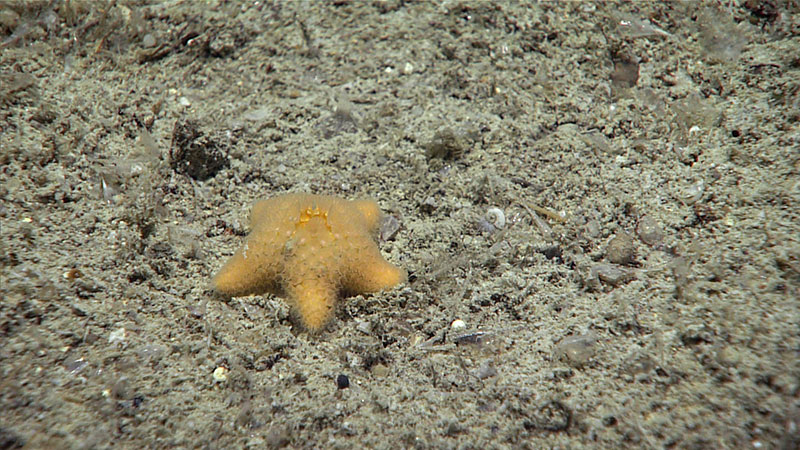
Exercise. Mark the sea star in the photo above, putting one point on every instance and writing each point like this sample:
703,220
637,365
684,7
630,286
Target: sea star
309,248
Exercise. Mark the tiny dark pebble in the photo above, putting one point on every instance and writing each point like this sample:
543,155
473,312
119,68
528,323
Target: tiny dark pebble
137,401
552,252
342,382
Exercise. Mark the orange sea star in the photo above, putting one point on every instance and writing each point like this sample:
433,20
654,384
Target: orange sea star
310,249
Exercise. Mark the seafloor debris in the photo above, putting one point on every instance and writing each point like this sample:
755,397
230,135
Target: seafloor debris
633,27
446,144
649,231
576,350
194,154
621,250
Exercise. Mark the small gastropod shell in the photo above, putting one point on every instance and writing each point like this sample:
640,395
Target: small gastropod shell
496,217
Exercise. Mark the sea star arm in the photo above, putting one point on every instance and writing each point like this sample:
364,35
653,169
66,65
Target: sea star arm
314,298
372,214
253,269
370,272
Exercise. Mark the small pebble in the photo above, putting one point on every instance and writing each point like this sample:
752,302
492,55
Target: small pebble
486,370
592,228
446,144
576,350
691,194
380,371
649,231
364,327
611,274
458,324
75,365
8,19
117,336
389,228
148,41
342,382
621,250
72,274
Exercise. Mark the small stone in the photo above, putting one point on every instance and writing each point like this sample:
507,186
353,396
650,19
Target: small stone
276,437
621,250
364,327
8,19
692,194
222,44
121,389
428,205
72,274
729,356
649,231
75,365
576,350
117,336
148,41
342,382
380,371
611,274
592,228
486,370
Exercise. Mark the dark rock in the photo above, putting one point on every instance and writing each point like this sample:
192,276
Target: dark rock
194,154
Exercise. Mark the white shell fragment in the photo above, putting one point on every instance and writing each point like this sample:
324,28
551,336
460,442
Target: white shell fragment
458,324
220,374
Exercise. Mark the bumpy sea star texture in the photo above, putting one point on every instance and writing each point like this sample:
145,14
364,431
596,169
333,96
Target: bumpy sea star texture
310,249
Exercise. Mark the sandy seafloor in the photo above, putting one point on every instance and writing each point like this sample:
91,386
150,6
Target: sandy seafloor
643,291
